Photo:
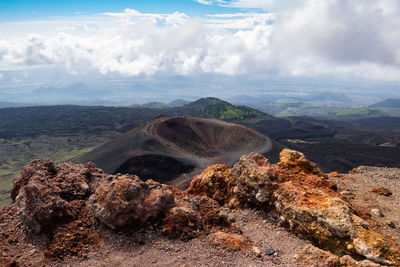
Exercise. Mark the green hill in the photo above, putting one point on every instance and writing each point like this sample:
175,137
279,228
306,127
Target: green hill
216,108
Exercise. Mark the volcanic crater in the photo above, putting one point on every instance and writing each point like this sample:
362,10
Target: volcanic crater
174,149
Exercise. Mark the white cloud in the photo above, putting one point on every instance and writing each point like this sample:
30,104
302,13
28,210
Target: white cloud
308,38
210,2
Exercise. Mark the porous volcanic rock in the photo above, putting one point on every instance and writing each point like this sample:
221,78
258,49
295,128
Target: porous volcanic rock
297,162
125,200
215,182
249,182
307,202
313,209
313,256
60,204
233,242
348,261
253,179
382,191
47,194
193,216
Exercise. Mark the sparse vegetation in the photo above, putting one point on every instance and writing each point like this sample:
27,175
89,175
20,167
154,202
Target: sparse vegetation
343,112
226,111
16,153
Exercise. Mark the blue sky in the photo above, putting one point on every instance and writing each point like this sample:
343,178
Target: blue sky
29,9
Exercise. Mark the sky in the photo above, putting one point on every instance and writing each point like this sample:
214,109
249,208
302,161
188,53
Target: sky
57,44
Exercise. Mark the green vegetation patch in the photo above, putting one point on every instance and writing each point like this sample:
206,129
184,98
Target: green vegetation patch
342,112
17,152
225,111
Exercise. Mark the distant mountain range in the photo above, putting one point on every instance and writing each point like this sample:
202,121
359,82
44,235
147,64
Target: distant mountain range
388,103
5,104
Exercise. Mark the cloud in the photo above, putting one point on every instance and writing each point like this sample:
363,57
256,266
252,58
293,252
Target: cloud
308,38
340,35
267,5
211,2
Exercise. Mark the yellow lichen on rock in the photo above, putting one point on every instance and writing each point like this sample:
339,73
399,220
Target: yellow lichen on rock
306,201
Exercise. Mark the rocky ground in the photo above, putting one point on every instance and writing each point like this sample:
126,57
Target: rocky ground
254,214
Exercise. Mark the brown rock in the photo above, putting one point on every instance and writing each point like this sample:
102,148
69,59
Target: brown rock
125,200
315,257
194,216
249,182
45,192
72,238
253,178
336,174
350,262
214,182
381,191
354,171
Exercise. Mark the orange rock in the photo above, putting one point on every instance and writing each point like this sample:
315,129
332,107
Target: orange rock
297,161
214,182
233,242
312,256
353,171
335,174
194,216
305,200
381,191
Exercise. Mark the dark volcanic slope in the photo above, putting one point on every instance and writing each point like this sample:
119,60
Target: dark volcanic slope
337,145
169,147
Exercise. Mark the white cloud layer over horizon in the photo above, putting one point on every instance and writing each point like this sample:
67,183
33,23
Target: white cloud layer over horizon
311,38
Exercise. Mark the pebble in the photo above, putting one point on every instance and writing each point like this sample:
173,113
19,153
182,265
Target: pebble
257,251
231,218
376,212
391,224
270,251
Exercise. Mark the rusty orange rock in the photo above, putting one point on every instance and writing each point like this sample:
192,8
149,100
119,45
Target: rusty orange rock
381,191
215,182
306,201
233,242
